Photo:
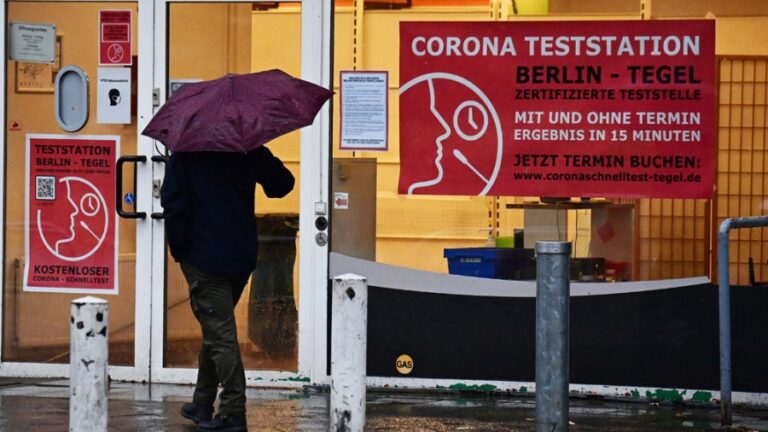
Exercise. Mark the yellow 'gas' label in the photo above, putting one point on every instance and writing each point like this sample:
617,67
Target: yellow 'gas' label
404,364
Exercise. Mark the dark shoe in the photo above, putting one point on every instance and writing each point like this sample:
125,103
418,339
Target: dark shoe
225,423
196,413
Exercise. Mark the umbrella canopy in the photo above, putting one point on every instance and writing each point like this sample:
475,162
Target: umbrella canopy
236,113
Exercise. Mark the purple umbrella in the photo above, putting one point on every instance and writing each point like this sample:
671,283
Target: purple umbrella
236,113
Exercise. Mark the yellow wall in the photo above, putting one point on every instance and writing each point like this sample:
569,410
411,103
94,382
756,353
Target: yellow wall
209,40
276,43
741,36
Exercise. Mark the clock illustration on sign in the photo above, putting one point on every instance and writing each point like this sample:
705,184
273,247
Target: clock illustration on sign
470,120
89,204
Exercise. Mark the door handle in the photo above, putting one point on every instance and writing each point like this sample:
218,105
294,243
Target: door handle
157,184
119,186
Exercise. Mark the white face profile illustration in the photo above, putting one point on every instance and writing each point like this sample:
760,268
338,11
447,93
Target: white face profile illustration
468,144
77,225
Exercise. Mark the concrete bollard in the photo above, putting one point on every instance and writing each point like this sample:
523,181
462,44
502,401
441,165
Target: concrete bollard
88,386
349,326
553,270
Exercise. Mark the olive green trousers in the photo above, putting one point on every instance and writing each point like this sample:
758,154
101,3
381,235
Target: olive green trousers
213,299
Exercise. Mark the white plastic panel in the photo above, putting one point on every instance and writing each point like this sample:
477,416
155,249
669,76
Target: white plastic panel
71,98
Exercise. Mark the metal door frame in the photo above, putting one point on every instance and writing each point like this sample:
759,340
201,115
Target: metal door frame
316,66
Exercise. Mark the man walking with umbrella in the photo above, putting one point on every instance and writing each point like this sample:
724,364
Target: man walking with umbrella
216,130
208,202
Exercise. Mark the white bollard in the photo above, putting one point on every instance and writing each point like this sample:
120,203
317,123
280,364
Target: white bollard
88,386
349,326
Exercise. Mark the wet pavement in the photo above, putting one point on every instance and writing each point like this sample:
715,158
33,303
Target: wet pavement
40,405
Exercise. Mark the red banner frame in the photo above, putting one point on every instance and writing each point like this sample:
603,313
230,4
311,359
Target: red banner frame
558,109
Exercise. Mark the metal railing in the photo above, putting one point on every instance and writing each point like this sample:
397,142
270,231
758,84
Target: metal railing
724,308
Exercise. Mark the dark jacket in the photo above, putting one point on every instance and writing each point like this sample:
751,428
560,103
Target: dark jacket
208,206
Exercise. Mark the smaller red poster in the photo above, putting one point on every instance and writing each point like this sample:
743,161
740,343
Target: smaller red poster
71,223
115,37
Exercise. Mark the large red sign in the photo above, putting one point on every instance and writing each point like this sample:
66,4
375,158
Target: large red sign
558,109
115,37
70,212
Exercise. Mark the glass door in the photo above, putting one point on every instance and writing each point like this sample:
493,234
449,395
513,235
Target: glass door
61,236
281,314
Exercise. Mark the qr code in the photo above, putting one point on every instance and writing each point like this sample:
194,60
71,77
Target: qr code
45,188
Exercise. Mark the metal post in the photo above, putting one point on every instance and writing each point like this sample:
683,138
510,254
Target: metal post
724,307
349,326
553,270
88,386
724,312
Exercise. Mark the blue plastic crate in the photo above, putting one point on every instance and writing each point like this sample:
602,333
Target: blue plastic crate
488,262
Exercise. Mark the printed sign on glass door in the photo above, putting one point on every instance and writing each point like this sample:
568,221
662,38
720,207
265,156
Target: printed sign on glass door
71,222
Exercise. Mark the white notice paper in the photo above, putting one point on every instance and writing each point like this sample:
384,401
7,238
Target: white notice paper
364,110
114,95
